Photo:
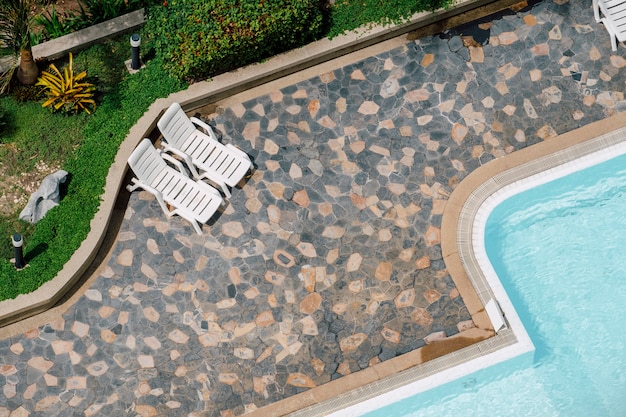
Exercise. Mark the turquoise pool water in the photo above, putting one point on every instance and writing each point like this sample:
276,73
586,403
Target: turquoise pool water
560,251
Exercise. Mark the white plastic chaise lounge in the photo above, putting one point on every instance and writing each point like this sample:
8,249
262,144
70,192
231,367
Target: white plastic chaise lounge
194,201
612,13
205,155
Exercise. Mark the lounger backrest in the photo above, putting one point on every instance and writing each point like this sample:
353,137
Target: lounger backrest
146,162
176,126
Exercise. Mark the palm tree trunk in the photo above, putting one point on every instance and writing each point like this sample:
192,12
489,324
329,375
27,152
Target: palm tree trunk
27,72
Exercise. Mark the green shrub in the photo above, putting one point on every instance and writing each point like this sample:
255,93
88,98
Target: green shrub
54,25
348,15
201,38
97,11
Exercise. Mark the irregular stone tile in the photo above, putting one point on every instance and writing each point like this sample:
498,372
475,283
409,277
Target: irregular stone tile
301,198
423,262
40,364
307,249
76,382
309,326
244,353
151,314
334,232
433,236
270,147
420,94
354,262
265,319
356,286
391,335
405,298
283,258
555,33
530,109
546,132
540,49
125,258
477,54
422,317
507,38
368,107
427,59
300,380
431,296
351,343
310,303
232,229
435,337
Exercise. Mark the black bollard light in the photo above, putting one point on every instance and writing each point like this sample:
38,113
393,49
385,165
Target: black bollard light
17,250
135,41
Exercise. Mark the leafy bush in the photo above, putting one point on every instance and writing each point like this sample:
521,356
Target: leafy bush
54,25
65,91
200,38
97,11
348,15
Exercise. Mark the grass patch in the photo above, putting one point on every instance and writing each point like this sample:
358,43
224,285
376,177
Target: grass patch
57,236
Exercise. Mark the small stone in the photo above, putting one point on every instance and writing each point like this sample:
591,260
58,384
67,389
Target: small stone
422,317
300,380
307,249
433,236
354,262
178,336
423,262
431,296
352,343
145,361
310,303
244,353
265,319
420,94
391,335
427,59
383,271
540,49
405,298
151,314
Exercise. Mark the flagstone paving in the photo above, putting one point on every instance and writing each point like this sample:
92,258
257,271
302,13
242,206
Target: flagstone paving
327,260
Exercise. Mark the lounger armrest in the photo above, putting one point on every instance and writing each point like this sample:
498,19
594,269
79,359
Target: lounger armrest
157,194
176,162
211,190
237,150
208,130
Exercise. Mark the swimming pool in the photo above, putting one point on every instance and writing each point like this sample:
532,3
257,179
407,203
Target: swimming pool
558,250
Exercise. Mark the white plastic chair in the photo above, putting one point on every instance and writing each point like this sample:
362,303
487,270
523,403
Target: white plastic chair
614,20
194,201
206,156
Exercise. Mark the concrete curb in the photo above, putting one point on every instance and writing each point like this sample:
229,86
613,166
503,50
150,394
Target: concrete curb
81,39
199,95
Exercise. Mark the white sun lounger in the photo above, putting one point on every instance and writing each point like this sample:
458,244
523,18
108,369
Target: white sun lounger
612,13
194,201
206,157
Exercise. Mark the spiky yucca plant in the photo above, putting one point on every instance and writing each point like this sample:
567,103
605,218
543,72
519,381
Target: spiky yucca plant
65,90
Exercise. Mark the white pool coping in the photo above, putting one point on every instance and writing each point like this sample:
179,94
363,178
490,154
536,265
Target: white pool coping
512,341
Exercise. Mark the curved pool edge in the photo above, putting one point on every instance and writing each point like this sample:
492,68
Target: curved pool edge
467,198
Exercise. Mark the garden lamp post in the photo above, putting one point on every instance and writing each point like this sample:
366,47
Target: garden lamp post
135,41
17,250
